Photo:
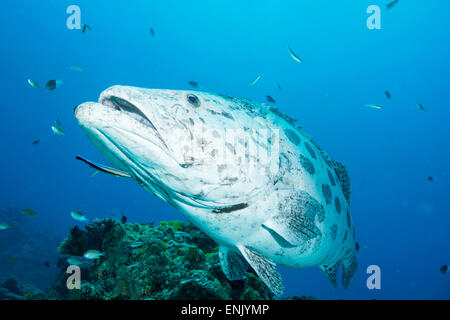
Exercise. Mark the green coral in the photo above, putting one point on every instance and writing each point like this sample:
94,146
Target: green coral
176,225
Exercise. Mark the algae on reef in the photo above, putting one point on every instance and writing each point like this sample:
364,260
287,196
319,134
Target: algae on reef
173,260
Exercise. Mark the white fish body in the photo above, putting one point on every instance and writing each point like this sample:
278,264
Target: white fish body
290,208
93,254
293,55
34,84
75,261
75,68
254,81
4,226
374,106
58,129
78,216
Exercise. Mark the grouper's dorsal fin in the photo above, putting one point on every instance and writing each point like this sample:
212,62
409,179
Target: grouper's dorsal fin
341,173
233,263
344,179
265,268
295,221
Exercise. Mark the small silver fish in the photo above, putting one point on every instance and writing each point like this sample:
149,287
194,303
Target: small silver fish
34,84
93,254
4,226
137,244
374,106
78,216
75,68
293,55
254,81
75,261
104,169
58,130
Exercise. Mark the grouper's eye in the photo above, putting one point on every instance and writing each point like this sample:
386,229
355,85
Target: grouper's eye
192,99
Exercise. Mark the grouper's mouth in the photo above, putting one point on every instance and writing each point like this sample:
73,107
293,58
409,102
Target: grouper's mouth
131,110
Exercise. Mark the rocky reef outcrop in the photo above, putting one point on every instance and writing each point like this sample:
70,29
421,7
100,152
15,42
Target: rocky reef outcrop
10,289
172,260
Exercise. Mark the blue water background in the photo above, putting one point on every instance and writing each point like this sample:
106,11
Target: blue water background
402,220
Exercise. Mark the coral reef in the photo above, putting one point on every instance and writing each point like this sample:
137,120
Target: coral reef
173,260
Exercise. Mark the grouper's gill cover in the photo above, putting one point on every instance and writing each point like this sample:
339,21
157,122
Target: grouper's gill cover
241,171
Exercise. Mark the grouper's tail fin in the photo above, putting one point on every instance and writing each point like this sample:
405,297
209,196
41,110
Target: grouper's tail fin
349,267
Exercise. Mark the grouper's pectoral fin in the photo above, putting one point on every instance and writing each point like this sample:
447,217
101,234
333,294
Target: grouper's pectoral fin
295,221
233,263
331,272
266,270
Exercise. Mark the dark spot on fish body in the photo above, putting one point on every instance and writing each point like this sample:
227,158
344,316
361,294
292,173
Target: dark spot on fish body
307,165
333,231
212,112
349,219
337,204
229,181
292,136
330,176
230,147
227,115
216,134
326,191
310,150
232,208
345,236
